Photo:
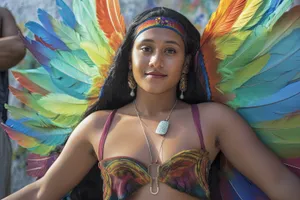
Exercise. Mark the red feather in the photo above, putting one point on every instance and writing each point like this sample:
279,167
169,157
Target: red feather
28,84
40,40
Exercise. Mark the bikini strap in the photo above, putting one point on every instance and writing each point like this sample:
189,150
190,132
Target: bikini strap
196,118
105,133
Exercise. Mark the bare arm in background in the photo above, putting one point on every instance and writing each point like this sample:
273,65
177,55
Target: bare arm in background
12,49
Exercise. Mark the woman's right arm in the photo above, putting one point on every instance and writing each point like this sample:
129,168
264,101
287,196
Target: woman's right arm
76,159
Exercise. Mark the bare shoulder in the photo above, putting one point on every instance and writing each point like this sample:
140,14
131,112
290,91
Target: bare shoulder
91,125
95,121
217,111
218,116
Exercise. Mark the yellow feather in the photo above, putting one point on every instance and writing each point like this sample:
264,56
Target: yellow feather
288,122
247,14
99,55
64,104
228,44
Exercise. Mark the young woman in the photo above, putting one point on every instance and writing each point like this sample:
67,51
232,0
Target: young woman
152,132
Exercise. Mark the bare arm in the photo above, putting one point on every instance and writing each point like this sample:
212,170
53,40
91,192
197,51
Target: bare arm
247,153
12,49
76,159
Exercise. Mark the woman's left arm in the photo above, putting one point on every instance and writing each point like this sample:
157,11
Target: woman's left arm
252,158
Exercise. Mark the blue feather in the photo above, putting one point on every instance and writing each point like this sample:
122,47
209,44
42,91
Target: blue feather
50,39
80,53
66,13
44,19
277,106
287,47
273,6
244,189
48,136
200,61
279,71
285,93
69,85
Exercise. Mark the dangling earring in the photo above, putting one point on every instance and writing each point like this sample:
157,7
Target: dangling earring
183,85
183,79
131,83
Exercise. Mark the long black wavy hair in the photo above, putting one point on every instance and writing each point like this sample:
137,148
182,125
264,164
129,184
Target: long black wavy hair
115,92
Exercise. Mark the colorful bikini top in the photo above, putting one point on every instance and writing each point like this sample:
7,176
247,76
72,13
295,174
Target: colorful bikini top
187,171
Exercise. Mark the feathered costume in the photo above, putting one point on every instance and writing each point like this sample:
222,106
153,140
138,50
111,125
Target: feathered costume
251,51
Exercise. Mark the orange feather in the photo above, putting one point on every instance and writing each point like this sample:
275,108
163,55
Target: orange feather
116,16
211,64
19,95
28,84
223,19
109,17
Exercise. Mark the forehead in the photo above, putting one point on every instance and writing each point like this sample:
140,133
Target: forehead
160,35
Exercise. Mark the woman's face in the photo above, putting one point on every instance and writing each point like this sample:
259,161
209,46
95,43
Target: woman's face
157,60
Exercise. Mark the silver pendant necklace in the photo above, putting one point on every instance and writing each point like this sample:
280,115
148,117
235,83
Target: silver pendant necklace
163,126
154,166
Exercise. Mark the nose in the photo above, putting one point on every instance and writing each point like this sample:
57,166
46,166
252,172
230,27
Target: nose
156,60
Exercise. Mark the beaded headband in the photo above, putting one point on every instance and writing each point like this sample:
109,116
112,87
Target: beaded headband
161,22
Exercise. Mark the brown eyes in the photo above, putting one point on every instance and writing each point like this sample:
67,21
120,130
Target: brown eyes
146,49
169,51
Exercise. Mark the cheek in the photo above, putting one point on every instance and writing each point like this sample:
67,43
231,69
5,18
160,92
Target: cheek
175,66
139,62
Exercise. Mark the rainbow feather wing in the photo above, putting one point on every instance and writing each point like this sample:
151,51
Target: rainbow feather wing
75,54
253,66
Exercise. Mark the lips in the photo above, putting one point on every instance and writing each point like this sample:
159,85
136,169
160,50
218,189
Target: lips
155,74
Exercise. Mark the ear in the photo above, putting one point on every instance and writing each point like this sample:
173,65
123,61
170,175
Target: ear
186,64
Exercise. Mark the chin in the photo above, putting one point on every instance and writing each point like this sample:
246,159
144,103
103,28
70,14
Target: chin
157,90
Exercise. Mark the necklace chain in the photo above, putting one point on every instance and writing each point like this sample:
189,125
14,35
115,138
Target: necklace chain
144,132
154,179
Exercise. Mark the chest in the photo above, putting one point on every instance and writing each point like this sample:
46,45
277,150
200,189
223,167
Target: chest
127,137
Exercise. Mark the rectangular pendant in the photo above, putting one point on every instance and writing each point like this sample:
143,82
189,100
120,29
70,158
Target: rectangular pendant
162,127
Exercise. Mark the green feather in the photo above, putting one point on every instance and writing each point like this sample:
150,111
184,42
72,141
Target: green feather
85,11
244,74
38,76
62,66
283,141
61,121
42,149
69,36
244,55
77,63
64,104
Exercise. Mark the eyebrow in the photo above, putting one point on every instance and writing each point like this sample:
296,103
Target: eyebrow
168,41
